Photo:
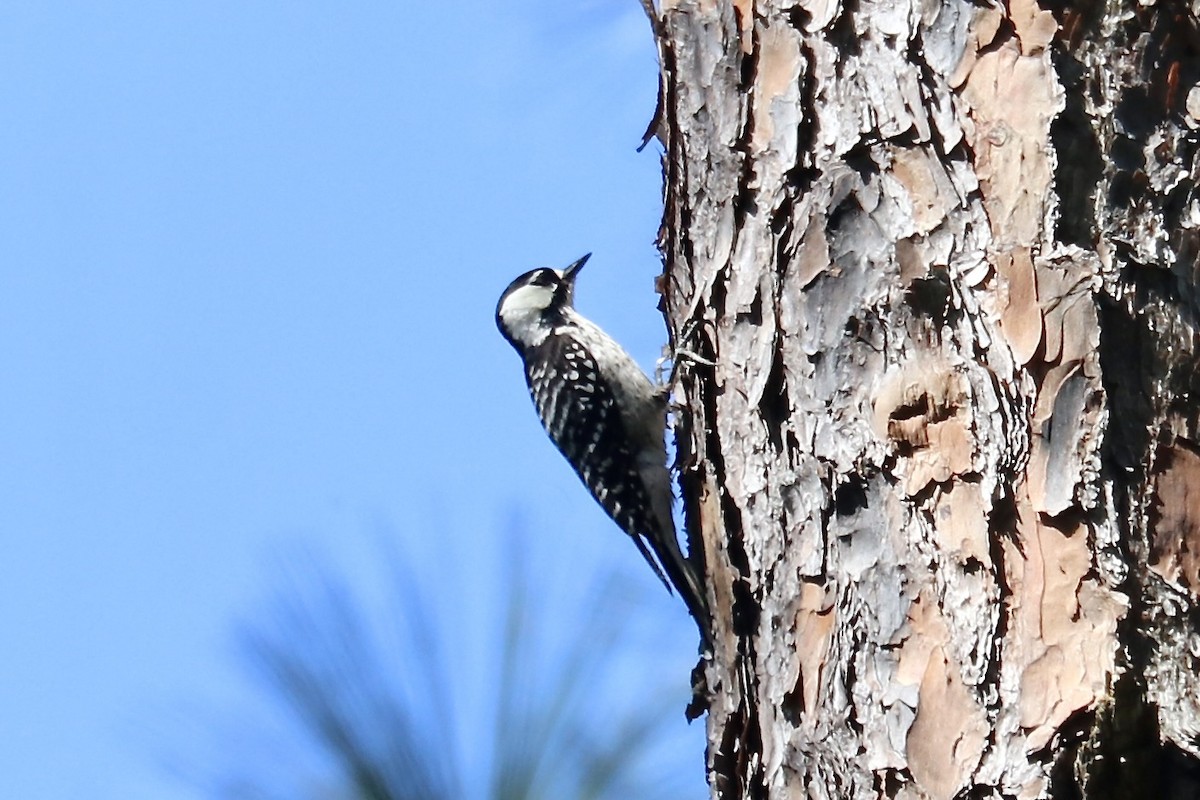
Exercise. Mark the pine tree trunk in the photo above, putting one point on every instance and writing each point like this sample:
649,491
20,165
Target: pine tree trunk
945,473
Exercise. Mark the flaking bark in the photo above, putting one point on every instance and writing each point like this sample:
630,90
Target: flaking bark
945,474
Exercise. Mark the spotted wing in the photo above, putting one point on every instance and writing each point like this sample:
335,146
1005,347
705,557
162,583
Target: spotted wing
579,411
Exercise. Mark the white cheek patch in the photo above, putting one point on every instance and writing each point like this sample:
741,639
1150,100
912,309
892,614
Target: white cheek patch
527,299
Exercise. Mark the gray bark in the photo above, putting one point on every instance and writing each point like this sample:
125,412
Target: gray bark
945,474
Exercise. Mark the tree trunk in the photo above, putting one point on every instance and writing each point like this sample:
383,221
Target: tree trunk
945,472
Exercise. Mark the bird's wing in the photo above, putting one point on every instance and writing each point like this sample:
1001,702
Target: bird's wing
579,411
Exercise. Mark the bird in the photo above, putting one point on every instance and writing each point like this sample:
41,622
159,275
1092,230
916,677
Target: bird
604,415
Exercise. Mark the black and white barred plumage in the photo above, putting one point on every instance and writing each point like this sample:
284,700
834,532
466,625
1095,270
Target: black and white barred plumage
603,413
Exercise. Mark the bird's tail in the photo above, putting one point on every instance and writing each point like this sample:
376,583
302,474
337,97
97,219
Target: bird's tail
686,580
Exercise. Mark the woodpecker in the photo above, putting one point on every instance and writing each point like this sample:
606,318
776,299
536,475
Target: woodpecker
605,416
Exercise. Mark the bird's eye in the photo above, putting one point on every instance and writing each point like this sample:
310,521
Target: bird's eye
544,277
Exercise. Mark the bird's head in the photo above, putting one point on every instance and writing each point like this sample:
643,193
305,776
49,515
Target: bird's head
535,302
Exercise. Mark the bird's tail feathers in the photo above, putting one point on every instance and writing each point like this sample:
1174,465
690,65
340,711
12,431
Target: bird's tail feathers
686,580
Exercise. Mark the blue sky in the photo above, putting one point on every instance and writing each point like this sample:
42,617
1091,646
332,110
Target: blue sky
249,258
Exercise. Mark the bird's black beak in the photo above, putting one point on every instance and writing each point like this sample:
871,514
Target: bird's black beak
570,272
